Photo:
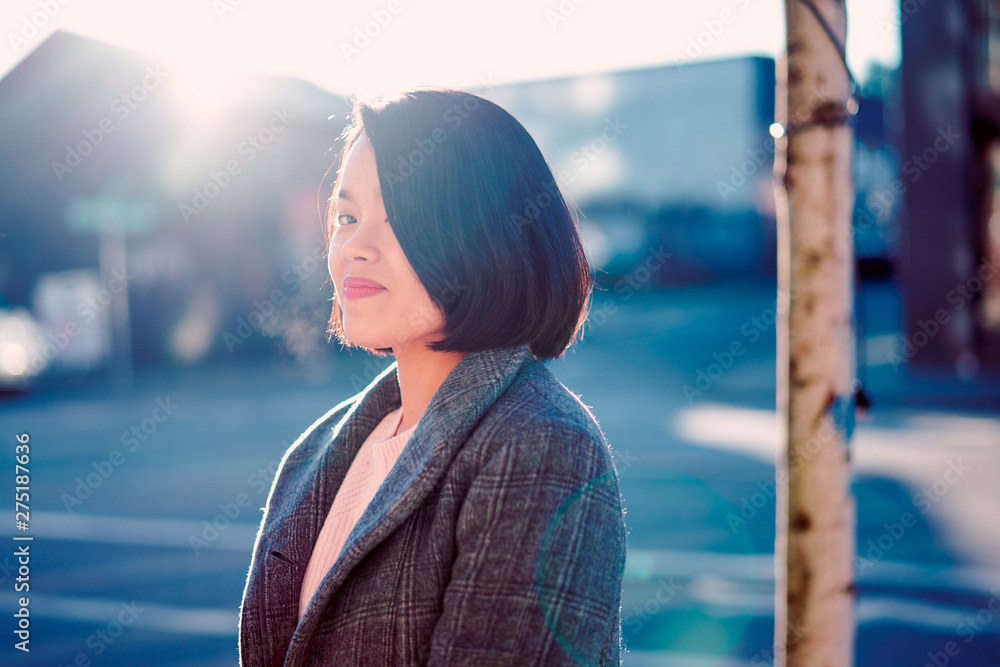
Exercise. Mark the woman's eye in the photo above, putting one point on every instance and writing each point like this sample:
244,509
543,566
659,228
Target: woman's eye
350,219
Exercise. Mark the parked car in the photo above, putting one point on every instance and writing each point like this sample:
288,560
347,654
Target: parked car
22,342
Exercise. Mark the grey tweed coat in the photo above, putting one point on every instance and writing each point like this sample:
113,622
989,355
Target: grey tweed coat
498,538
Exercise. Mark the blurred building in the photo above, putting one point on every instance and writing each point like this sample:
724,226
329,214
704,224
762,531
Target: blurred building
679,156
950,184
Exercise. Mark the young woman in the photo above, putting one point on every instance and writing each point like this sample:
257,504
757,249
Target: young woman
464,508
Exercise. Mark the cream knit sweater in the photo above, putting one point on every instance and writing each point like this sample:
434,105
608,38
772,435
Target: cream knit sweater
375,459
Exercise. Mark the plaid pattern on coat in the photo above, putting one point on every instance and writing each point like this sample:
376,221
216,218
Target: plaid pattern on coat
498,538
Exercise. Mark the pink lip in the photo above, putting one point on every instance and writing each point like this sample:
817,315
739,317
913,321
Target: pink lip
358,288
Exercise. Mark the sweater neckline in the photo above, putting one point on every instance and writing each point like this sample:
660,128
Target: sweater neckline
395,425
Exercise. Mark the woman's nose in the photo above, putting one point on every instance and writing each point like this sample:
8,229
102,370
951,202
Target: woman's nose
360,243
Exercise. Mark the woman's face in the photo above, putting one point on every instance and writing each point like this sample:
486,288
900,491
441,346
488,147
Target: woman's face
397,311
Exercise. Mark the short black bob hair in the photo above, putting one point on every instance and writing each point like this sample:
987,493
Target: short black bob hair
479,215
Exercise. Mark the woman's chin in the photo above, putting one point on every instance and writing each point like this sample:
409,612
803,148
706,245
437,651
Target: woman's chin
367,340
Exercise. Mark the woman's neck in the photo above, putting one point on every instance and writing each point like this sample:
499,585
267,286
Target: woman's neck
420,372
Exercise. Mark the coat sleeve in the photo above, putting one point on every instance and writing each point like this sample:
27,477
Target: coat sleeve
540,552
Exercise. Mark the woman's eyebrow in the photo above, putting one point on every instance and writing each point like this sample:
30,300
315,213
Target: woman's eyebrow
347,196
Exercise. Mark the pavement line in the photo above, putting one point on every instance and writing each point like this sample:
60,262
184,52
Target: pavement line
755,432
224,535
933,617
642,564
645,563
724,600
165,618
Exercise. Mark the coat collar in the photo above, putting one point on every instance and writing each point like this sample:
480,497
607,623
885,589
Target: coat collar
451,415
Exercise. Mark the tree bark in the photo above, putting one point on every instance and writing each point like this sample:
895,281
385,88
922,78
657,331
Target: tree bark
815,527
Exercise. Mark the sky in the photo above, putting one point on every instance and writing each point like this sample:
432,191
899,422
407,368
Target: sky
379,45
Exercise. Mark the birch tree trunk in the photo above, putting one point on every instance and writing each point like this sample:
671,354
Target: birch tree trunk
815,544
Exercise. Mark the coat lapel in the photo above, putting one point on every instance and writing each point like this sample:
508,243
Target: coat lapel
453,412
288,535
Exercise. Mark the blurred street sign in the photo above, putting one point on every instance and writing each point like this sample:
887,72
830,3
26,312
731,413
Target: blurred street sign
112,215
113,218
